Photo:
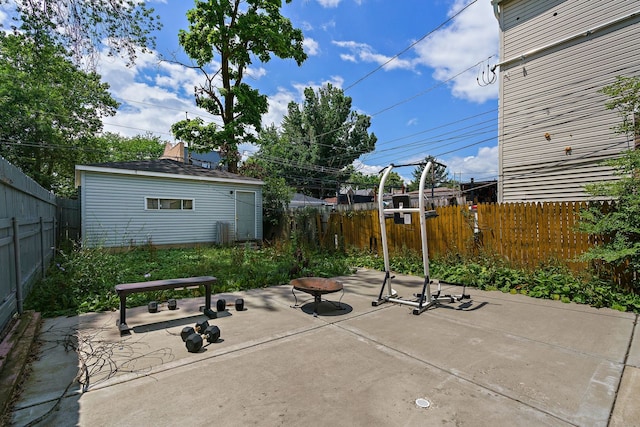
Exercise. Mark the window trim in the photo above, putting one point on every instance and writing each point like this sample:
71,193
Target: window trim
159,204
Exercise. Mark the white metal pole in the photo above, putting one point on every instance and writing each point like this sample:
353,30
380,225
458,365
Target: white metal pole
383,227
423,229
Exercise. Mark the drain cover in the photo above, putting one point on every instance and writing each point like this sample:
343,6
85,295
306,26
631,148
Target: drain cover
423,403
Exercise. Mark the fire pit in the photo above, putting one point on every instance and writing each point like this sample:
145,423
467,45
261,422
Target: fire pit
316,286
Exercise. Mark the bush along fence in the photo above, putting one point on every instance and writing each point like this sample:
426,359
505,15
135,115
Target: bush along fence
525,234
29,229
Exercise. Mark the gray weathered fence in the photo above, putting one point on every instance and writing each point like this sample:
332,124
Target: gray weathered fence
28,231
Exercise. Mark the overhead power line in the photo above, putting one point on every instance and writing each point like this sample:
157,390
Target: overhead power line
394,57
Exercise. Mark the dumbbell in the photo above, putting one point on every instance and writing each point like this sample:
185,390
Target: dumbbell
193,343
193,338
201,326
172,304
153,307
187,331
212,333
221,304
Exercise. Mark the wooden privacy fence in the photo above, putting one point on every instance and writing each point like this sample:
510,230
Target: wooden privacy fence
526,234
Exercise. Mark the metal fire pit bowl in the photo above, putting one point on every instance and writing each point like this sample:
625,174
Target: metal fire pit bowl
316,286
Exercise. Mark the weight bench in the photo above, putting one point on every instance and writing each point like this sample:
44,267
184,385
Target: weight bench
125,289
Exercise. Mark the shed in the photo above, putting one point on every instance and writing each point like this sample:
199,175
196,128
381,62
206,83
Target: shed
166,202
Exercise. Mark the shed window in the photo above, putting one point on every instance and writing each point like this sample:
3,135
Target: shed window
172,204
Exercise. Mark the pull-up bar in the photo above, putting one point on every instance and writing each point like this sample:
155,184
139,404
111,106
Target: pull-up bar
424,299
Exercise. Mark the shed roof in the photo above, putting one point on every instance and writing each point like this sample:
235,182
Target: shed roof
167,168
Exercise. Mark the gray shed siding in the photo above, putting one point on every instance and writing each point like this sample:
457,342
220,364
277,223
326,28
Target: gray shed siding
114,214
549,98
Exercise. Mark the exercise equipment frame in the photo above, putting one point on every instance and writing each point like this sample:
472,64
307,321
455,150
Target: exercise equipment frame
425,299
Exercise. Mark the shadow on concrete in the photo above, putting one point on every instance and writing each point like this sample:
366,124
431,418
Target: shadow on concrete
327,308
166,324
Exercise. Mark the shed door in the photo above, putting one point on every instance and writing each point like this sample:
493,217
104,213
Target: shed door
245,215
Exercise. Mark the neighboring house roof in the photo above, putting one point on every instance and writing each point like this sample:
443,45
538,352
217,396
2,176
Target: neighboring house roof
173,152
164,168
437,192
301,200
182,154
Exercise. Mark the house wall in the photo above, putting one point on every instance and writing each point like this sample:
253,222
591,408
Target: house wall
114,214
554,128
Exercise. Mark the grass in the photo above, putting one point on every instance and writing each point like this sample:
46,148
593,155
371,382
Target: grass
551,280
83,280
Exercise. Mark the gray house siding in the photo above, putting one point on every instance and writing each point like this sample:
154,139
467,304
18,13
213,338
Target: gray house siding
554,128
114,210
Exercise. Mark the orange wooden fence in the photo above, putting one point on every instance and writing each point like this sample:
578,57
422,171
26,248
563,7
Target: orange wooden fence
526,234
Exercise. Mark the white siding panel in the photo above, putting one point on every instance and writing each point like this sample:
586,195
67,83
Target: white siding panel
114,211
531,24
555,93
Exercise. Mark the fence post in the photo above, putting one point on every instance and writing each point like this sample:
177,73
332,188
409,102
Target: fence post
16,249
42,256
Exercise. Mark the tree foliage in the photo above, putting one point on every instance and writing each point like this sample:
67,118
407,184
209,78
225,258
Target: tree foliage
118,148
276,194
436,178
318,142
84,26
224,38
620,224
624,96
49,110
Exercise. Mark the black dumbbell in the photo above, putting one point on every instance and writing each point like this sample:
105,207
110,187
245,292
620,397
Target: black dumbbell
172,304
212,333
201,327
186,332
153,307
221,304
194,343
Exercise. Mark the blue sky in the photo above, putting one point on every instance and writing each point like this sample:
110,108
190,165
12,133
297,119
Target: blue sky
417,107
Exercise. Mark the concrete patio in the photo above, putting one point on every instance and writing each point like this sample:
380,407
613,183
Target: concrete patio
498,359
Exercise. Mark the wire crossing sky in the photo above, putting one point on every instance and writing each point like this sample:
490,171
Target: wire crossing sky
413,65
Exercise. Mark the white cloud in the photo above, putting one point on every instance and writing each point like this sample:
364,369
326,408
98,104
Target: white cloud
278,107
328,25
366,169
329,3
311,47
154,95
470,38
481,166
412,122
348,57
365,53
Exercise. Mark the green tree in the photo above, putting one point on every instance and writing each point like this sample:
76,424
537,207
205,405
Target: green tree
620,224
319,141
437,177
394,181
360,180
624,96
50,110
276,194
84,26
233,33
119,148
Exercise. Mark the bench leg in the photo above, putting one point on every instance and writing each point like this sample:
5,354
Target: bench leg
207,303
122,324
